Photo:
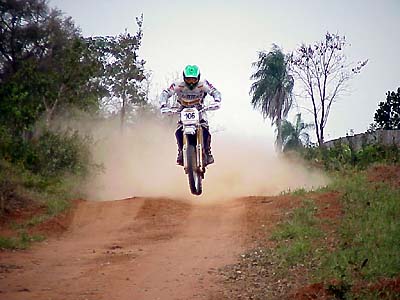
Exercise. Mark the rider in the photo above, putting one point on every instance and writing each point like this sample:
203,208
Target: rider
191,92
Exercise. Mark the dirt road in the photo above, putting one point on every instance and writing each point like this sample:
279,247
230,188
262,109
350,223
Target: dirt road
140,248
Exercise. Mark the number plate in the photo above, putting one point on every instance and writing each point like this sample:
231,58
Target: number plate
189,116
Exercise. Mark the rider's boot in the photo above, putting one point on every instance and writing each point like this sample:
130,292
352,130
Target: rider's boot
179,141
210,158
179,159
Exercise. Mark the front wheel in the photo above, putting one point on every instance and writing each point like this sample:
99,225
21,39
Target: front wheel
194,174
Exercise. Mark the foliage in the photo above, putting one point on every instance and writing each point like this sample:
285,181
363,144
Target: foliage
323,72
24,32
20,187
387,116
47,69
369,233
54,154
342,156
19,105
356,249
23,241
45,66
295,234
272,87
295,136
123,70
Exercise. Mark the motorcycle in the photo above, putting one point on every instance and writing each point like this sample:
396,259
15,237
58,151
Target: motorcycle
194,156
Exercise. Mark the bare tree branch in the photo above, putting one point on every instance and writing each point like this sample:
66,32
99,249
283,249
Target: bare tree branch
323,73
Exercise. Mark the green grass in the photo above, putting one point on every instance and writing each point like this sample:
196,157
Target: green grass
35,220
19,186
369,244
22,241
294,236
367,239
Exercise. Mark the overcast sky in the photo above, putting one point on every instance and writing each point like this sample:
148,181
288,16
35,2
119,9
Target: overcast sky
223,37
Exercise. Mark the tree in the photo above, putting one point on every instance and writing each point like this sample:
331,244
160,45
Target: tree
387,116
272,87
124,71
68,80
45,65
21,33
294,135
324,74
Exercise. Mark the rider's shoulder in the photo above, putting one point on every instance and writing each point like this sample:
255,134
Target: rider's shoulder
207,84
203,84
177,84
180,85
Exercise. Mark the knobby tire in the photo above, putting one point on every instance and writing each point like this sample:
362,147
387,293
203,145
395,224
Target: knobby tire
194,176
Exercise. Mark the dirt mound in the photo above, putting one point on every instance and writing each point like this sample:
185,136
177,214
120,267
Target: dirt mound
386,287
312,291
56,225
389,174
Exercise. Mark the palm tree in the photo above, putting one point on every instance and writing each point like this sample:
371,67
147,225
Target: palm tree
294,135
272,87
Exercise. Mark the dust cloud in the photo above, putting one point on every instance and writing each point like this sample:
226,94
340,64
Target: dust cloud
141,162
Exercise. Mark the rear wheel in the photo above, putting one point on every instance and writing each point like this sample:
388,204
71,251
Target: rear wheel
194,175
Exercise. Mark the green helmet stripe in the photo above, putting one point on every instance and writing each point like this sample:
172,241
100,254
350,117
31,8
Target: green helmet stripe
191,71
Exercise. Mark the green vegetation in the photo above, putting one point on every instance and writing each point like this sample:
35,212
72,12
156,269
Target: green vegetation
23,241
342,156
48,71
369,234
356,248
294,135
387,116
21,188
320,69
272,87
365,244
294,236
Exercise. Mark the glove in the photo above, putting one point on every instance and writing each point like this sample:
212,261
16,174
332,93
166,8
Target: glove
164,109
214,106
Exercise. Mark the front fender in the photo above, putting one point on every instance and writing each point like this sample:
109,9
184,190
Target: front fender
189,130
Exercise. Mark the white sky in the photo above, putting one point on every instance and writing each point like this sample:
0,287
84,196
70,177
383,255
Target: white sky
223,37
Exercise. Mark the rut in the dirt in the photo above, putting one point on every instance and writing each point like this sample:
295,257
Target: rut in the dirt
137,248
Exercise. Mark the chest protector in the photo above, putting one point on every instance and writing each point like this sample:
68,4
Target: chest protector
190,98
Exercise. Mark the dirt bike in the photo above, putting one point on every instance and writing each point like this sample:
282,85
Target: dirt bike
194,156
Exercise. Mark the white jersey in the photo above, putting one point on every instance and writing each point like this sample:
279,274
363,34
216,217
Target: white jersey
187,97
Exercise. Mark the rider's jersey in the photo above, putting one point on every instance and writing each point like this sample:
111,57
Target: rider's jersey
187,97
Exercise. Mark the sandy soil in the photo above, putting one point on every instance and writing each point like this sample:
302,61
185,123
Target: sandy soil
140,248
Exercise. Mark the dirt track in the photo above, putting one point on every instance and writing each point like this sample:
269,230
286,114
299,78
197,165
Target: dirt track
139,248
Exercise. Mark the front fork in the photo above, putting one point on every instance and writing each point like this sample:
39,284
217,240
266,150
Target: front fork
199,149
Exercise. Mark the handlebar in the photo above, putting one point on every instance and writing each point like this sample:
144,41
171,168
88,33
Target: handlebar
175,110
169,111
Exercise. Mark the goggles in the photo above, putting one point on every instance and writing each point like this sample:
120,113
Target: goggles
191,80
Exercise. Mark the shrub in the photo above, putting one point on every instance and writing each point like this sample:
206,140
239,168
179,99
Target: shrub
6,141
55,154
342,156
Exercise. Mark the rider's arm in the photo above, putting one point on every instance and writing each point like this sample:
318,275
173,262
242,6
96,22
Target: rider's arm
166,94
212,91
